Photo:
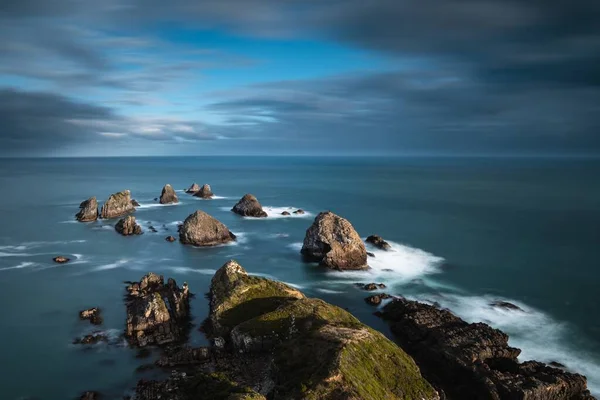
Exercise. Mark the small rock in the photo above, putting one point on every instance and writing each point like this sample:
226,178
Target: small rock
170,239
299,212
92,338
193,189
556,364
506,305
135,203
153,229
92,314
376,299
127,226
370,286
378,242
61,259
370,254
248,206
89,396
285,213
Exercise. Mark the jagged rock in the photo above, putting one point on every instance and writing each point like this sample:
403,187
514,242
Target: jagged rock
200,229
88,210
376,299
193,189
474,360
91,314
556,364
127,226
168,195
285,213
378,242
248,206
506,305
170,239
204,192
118,204
92,338
332,241
90,396
61,259
370,286
299,212
157,313
135,203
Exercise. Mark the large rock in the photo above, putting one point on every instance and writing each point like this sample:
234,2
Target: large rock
193,189
204,192
248,206
200,229
118,204
88,210
474,361
310,349
127,226
168,195
332,241
157,313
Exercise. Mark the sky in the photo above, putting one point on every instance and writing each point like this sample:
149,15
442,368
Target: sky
324,77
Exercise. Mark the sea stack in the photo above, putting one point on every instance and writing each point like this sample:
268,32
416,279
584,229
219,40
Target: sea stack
200,229
127,226
168,195
248,206
332,241
88,210
193,189
204,192
117,205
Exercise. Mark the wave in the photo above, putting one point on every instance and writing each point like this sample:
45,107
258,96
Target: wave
144,206
213,198
114,265
329,291
185,270
73,221
24,264
297,246
275,213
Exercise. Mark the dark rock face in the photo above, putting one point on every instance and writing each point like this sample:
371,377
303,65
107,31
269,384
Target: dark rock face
378,242
193,189
91,314
200,229
474,361
506,305
248,206
170,239
88,210
157,313
370,286
332,241
61,259
168,195
204,192
127,226
376,299
118,204
90,396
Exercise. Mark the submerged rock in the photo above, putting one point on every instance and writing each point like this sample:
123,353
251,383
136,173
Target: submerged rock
248,206
170,239
378,242
61,259
475,360
370,286
127,226
204,192
93,338
157,313
332,241
118,204
285,213
193,189
506,305
168,195
299,212
88,210
200,229
92,314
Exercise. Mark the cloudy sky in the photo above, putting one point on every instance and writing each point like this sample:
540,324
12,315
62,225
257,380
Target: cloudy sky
182,77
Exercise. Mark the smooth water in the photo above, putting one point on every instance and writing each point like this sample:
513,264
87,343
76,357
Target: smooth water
465,231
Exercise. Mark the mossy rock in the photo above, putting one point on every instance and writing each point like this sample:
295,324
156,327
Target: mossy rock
217,386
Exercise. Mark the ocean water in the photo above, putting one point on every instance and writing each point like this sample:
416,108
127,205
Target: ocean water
465,232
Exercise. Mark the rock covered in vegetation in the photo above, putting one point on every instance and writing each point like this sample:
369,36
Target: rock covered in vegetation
200,229
127,226
61,259
92,314
248,206
168,195
193,189
332,241
157,313
118,204
475,360
205,192
88,210
378,242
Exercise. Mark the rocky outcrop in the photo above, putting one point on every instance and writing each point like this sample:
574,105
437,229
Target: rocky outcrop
378,242
204,192
168,195
92,314
248,206
376,299
332,241
127,226
299,212
200,229
61,259
88,210
370,286
474,361
193,189
118,204
157,313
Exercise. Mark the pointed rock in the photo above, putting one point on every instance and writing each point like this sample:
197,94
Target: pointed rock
193,189
118,204
205,192
168,195
248,206
88,210
127,226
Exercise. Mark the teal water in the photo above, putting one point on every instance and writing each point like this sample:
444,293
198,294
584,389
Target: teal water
465,231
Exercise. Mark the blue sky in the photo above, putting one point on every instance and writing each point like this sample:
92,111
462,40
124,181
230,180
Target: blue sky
299,77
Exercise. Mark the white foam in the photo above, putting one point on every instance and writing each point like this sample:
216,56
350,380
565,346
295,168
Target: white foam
275,213
213,198
294,285
3,254
144,206
114,265
329,291
185,270
24,264
69,222
295,246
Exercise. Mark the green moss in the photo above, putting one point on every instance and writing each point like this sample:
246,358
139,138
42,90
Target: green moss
217,386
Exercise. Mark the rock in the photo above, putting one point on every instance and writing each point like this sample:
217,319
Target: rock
370,254
135,203
506,305
332,241
61,259
89,396
186,356
378,242
88,210
248,206
193,189
376,299
168,195
299,212
474,360
204,192
118,204
370,286
93,338
152,229
285,213
200,229
127,226
556,364
170,239
91,314
157,313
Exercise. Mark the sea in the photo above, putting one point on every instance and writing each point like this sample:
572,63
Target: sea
465,232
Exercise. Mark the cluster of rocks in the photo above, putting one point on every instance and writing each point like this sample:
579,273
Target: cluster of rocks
204,192
117,205
249,206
